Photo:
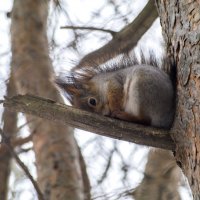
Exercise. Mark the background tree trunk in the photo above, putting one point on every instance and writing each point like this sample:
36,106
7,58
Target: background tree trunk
180,21
10,128
161,178
57,156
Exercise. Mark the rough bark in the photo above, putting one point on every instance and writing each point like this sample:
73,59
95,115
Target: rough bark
180,21
57,157
10,128
161,178
88,121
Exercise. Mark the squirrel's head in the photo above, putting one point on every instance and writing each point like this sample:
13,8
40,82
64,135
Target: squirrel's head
82,92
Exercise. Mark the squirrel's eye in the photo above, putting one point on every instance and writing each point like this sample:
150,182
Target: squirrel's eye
92,101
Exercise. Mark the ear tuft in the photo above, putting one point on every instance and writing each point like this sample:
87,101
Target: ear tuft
60,82
69,87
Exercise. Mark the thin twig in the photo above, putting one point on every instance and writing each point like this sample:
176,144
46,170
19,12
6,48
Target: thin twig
90,28
25,124
6,141
108,166
24,150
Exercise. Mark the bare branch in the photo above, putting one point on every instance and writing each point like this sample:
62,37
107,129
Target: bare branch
6,140
99,124
124,40
107,167
25,124
15,142
90,28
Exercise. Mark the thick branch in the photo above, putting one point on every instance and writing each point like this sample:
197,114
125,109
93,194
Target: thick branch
101,125
124,40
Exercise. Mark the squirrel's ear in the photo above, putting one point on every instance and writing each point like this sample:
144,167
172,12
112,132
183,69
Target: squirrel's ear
70,88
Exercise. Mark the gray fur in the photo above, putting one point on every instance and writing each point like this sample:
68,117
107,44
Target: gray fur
147,88
151,92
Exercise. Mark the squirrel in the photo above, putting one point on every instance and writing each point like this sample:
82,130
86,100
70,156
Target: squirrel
140,92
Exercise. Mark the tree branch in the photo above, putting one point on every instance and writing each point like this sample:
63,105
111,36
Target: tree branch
124,40
99,124
15,142
90,28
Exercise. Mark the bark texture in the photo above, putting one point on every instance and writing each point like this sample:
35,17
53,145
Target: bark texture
57,157
10,128
180,21
92,122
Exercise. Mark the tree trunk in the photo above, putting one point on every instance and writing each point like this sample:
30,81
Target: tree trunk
161,178
180,21
10,128
57,157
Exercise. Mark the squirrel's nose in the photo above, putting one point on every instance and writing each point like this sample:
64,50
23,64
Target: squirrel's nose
106,111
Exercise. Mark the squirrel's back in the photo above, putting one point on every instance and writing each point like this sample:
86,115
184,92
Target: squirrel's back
151,90
147,92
